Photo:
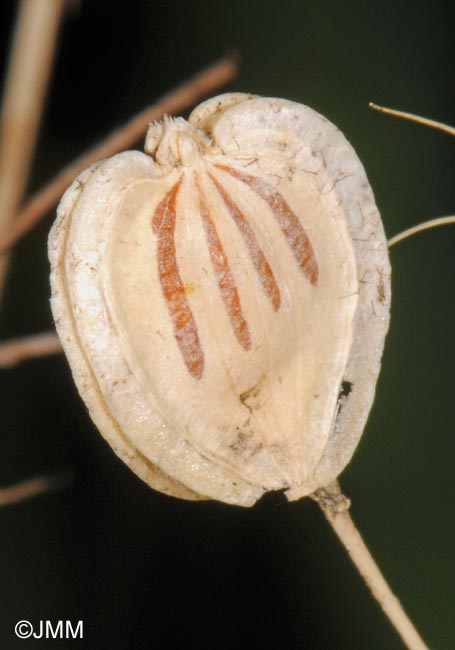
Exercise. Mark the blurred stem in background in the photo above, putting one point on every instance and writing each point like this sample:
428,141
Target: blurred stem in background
29,70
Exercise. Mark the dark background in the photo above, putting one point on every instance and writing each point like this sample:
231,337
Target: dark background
147,571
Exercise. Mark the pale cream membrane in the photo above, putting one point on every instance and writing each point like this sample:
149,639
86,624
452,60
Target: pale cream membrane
223,300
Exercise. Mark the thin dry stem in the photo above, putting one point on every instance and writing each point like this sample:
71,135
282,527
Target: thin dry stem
414,118
14,351
26,83
187,94
426,225
32,487
335,508
432,223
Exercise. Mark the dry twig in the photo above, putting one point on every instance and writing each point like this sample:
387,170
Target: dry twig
25,88
14,351
32,487
426,225
414,118
432,223
187,94
335,506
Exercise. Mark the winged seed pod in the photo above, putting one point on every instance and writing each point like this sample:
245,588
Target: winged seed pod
223,300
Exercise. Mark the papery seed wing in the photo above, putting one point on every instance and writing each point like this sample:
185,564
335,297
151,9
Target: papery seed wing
223,295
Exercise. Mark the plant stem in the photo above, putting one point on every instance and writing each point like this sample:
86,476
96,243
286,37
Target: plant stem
335,506
414,118
26,83
187,94
426,225
16,350
32,487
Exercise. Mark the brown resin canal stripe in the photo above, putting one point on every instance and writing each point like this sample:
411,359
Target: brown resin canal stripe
257,256
223,273
185,328
290,225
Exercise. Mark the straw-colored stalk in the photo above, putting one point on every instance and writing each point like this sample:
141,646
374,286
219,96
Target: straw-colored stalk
25,88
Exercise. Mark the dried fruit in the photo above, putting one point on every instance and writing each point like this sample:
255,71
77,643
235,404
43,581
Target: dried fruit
223,300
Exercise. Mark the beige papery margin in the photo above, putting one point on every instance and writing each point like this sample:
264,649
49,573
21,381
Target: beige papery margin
30,54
